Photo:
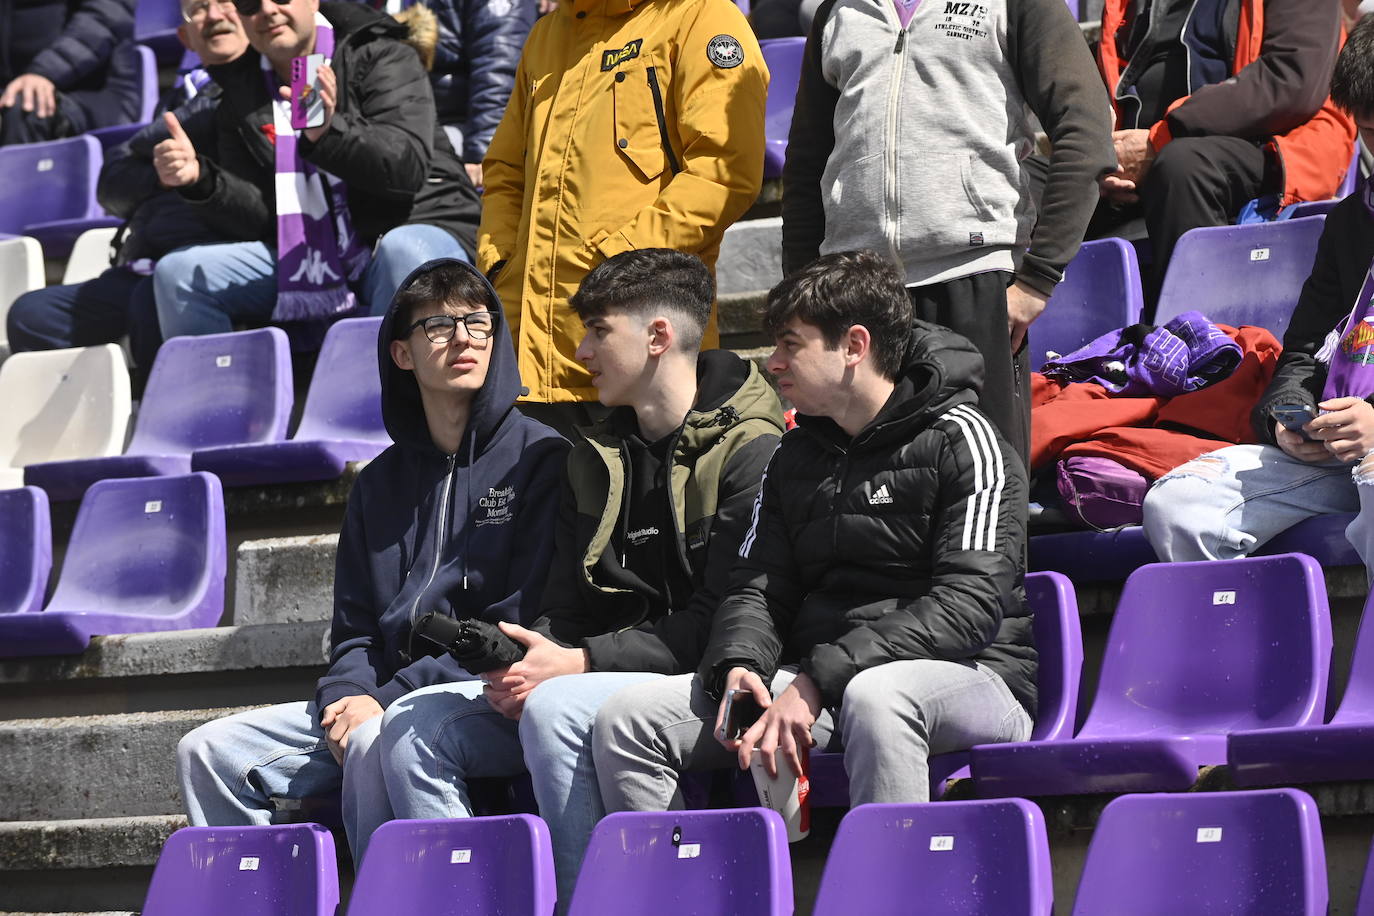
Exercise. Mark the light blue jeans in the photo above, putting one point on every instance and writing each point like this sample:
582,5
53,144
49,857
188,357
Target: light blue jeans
891,718
231,769
205,289
1228,503
435,739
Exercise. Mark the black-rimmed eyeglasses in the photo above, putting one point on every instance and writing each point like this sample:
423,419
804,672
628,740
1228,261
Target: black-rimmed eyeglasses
441,328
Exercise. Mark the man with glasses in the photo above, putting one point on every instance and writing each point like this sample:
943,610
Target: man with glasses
120,300
327,219
457,519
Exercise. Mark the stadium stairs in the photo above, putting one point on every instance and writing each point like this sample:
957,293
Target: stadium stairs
87,787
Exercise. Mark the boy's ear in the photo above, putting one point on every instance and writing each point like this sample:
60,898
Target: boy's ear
400,355
662,336
858,343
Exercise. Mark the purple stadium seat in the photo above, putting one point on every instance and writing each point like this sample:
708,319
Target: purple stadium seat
1365,905
1100,293
964,858
245,871
110,137
48,181
155,25
203,392
1196,650
1060,640
674,863
145,554
496,866
784,59
1110,556
1341,750
1207,852
25,550
1241,274
1311,208
342,421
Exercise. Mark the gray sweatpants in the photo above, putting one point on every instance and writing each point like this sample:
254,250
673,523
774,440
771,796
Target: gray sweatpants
890,720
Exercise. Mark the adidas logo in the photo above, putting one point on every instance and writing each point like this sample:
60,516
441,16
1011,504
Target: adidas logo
881,497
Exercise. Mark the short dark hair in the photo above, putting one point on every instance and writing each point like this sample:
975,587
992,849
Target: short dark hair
446,283
836,292
1352,83
650,280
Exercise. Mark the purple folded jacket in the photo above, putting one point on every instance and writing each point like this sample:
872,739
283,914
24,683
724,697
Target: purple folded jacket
1187,354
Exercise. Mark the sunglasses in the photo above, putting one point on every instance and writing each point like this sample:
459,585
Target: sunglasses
248,7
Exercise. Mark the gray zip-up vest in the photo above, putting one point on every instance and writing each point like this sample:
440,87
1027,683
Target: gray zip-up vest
930,131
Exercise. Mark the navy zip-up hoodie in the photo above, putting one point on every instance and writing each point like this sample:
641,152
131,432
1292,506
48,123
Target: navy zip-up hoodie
468,535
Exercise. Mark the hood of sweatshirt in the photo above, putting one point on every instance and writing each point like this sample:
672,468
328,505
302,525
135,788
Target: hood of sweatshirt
402,411
467,535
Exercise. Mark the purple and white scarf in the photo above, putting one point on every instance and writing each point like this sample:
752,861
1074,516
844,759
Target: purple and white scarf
318,254
1348,350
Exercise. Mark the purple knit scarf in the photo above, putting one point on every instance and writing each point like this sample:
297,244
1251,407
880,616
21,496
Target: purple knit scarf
318,254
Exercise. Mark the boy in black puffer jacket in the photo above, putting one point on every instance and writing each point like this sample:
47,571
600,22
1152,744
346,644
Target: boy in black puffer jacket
876,594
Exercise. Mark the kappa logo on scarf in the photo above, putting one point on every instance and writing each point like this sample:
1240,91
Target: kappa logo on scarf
498,506
1358,343
612,59
314,269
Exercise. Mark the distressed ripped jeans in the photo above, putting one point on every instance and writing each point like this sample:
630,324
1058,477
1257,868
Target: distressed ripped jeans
1230,502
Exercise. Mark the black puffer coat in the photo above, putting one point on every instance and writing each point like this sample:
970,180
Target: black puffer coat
383,141
905,542
474,65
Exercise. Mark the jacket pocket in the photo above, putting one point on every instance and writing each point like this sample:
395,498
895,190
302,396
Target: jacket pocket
641,119
968,176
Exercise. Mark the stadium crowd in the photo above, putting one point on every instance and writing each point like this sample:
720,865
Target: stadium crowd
615,509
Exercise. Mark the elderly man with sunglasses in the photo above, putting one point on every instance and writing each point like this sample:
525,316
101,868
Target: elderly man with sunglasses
328,218
457,519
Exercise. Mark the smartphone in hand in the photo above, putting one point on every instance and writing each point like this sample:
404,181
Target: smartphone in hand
741,711
307,108
1293,417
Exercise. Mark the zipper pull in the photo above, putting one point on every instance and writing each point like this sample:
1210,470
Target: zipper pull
901,42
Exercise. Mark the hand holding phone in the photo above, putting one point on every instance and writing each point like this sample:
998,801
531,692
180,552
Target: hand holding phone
307,104
1293,417
741,711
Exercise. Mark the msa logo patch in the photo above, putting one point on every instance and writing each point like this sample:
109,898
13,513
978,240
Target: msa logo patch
880,497
725,51
612,59
975,239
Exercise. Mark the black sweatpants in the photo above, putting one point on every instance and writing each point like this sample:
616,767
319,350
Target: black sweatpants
976,307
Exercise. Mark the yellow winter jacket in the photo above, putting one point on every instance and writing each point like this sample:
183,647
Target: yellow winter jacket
633,124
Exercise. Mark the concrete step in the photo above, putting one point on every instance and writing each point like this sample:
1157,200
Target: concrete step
221,666
80,866
107,766
750,256
285,580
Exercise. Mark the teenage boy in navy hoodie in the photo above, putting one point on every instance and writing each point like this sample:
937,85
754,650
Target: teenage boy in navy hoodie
456,517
